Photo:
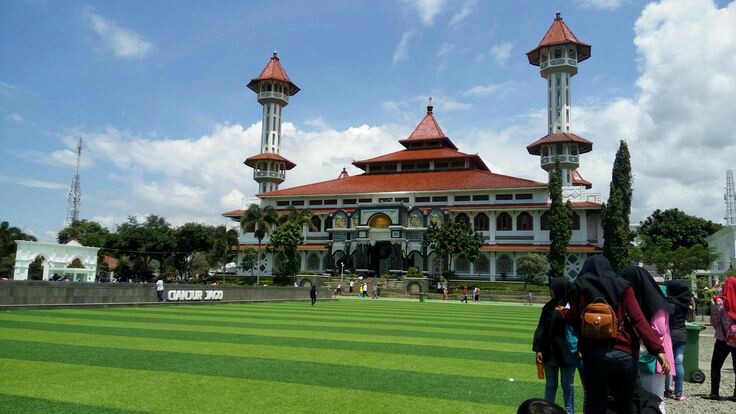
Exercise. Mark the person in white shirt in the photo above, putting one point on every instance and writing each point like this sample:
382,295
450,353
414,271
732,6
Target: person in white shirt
160,289
351,286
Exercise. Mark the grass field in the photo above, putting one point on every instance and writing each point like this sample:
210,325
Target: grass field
342,356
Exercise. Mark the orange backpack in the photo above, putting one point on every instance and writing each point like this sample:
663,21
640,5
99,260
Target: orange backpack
599,321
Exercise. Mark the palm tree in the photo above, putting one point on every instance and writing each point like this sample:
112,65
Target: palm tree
260,220
300,217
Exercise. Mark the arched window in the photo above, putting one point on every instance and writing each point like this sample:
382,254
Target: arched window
462,218
503,222
316,224
504,265
524,222
481,222
482,265
76,264
545,220
328,223
575,221
462,265
415,219
545,150
380,221
313,261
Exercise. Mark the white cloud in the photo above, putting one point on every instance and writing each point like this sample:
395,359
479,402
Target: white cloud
402,48
502,52
489,89
33,183
599,4
124,43
680,126
427,9
199,179
14,117
445,49
461,14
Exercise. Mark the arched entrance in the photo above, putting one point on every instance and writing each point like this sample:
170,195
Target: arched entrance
37,268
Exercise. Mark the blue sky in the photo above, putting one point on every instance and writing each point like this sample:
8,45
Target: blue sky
157,90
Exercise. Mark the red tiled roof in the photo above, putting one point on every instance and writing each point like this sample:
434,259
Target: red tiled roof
251,161
537,248
423,154
428,130
409,181
578,179
559,34
583,144
273,71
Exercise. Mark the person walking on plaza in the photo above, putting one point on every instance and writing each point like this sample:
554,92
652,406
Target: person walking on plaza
529,296
656,310
553,342
365,289
609,364
444,293
351,286
476,294
723,320
313,294
160,289
678,294
465,294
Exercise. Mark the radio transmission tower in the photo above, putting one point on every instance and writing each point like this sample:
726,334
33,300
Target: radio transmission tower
730,198
75,191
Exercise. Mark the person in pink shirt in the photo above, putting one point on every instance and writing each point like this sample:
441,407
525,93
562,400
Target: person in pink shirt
723,320
656,310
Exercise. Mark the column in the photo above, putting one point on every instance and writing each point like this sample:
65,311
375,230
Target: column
492,227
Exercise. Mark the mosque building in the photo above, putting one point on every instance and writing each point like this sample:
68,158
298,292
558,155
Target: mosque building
374,222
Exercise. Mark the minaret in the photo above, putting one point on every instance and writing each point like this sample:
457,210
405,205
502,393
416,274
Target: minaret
274,89
558,56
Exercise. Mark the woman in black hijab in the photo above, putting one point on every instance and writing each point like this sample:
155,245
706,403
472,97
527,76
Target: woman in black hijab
609,364
554,348
656,309
678,294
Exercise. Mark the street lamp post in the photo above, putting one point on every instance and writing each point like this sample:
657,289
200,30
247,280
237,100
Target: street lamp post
342,271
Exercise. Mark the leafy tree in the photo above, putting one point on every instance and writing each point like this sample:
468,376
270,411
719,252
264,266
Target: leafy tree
560,224
221,240
284,241
199,264
145,242
298,216
533,268
190,238
8,236
679,262
248,259
259,221
682,229
452,239
86,232
615,214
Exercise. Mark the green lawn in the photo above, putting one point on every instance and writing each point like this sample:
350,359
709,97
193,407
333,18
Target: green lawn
342,356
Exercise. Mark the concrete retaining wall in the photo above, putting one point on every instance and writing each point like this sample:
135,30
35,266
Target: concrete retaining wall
34,293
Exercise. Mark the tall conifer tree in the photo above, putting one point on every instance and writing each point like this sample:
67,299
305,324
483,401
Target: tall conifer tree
616,233
559,224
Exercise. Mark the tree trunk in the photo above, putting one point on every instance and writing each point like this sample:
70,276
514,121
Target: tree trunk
258,262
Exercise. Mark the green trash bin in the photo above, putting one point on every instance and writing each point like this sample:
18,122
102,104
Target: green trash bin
692,353
421,296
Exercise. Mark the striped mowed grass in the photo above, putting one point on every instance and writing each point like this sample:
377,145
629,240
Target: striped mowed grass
339,356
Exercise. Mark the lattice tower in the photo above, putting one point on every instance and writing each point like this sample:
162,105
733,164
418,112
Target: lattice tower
730,198
75,191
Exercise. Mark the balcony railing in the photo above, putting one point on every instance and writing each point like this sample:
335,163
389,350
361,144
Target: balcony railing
558,62
273,95
270,174
550,159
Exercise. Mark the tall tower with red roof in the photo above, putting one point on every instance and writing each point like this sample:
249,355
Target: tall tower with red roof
274,88
558,56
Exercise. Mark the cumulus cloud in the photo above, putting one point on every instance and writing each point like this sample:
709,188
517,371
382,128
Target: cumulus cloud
124,43
427,9
501,52
599,4
402,48
199,179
